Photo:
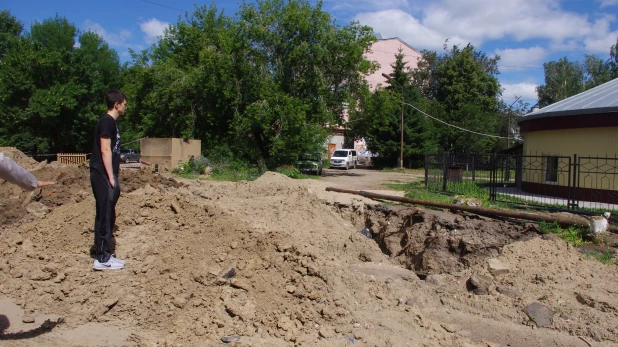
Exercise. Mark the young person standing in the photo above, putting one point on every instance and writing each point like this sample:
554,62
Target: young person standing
104,167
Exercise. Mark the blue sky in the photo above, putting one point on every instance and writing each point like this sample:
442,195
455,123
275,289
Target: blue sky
525,33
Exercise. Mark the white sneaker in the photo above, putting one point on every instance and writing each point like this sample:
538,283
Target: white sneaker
118,260
111,264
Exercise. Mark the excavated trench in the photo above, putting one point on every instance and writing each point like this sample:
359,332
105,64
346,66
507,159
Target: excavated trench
435,242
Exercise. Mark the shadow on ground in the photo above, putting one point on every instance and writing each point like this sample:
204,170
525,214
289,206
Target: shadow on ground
47,326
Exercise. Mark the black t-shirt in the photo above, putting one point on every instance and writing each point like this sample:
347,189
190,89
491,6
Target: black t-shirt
106,126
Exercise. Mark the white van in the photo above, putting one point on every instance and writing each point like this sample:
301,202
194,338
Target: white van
345,158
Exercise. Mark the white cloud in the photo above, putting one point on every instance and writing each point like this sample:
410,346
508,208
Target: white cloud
521,58
527,92
479,21
606,3
153,28
397,23
365,5
113,39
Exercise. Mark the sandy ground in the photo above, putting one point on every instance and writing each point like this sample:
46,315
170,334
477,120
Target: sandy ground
282,262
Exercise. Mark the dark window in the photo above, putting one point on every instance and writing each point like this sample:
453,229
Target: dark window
551,169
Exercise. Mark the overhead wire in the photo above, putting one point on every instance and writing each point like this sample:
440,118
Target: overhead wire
454,126
162,5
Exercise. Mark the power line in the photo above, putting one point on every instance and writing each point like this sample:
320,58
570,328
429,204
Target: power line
155,3
454,126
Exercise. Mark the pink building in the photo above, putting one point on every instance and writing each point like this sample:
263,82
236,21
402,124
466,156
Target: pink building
383,52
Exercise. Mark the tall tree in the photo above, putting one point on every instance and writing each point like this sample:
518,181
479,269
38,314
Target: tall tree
467,94
613,60
264,83
52,91
10,29
378,117
597,71
563,78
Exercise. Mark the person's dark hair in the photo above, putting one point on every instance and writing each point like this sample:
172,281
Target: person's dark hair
114,96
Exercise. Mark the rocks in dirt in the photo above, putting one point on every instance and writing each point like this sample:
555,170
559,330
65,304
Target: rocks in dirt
511,293
366,232
175,207
228,339
585,299
37,209
325,333
181,300
434,280
228,273
496,267
479,284
246,312
540,314
27,318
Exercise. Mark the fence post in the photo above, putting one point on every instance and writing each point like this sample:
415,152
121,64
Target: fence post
473,171
444,170
492,177
426,170
573,190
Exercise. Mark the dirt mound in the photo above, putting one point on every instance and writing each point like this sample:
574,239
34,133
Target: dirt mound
72,185
19,157
271,263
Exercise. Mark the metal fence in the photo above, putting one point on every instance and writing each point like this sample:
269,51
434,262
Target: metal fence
550,181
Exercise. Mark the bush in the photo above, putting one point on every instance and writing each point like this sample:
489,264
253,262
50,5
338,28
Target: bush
191,167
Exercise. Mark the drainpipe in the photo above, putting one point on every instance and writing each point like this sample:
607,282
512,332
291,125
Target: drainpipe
474,209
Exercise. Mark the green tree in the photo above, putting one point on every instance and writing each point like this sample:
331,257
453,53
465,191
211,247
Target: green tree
10,29
597,71
52,91
264,83
563,78
612,62
467,94
378,118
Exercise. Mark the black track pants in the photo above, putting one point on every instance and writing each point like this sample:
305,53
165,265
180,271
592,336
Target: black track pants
106,198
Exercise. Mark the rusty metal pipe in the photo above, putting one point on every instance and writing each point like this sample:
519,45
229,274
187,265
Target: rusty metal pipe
473,209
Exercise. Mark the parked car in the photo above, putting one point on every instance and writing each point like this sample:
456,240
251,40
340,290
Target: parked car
309,163
128,155
343,158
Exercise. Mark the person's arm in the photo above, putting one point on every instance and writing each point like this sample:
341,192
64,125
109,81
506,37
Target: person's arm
106,155
12,172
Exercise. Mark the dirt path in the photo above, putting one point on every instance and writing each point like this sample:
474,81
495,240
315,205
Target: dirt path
364,179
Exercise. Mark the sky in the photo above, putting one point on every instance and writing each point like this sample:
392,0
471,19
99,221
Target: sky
524,33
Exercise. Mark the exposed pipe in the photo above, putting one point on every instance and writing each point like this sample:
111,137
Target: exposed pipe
473,209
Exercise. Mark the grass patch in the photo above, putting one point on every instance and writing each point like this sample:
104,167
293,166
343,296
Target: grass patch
292,172
404,170
606,258
574,235
416,190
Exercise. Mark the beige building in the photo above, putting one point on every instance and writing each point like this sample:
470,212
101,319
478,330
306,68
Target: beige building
168,152
574,143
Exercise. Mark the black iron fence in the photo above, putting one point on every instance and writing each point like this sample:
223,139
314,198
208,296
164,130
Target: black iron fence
534,180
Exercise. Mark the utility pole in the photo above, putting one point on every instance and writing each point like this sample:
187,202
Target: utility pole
508,125
402,108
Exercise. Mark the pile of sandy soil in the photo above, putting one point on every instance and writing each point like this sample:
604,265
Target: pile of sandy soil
19,157
272,264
